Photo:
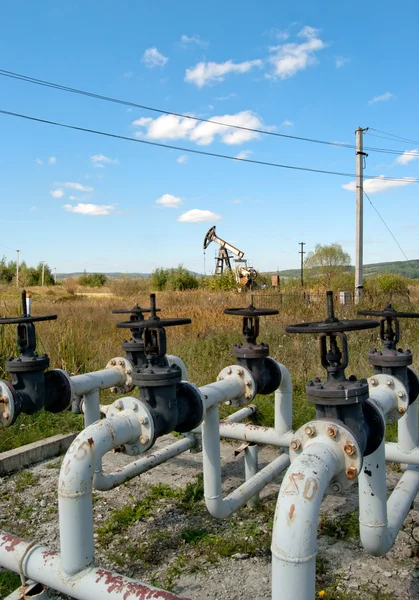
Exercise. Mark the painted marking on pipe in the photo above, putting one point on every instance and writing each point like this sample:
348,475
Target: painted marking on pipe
291,513
310,487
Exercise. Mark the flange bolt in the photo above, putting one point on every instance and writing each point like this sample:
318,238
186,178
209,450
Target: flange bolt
351,472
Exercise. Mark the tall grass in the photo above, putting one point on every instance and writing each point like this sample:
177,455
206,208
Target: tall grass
85,337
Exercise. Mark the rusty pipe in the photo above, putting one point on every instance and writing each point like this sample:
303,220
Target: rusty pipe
44,565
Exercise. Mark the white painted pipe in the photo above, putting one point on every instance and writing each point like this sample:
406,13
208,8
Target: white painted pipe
75,485
110,481
395,454
91,407
175,360
407,429
44,565
251,468
254,433
218,506
228,389
294,537
241,414
106,378
283,403
281,434
380,519
384,397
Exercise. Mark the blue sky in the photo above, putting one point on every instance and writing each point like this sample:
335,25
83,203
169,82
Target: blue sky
312,69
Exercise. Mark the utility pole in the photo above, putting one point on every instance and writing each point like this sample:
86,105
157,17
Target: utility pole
55,274
302,244
17,268
360,154
43,274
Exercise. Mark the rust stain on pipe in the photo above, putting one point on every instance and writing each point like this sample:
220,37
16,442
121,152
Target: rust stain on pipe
129,589
10,542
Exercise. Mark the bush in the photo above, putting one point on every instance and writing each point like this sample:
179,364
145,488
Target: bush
179,279
388,284
224,282
93,279
129,286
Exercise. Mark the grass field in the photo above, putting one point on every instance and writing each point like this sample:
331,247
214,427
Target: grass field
85,337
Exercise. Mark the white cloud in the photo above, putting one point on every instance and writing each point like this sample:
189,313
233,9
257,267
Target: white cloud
221,98
373,186
94,210
52,160
153,58
72,198
288,59
193,39
197,215
287,123
407,157
73,185
57,193
182,159
383,98
205,73
39,161
99,161
243,154
171,127
128,74
169,201
340,61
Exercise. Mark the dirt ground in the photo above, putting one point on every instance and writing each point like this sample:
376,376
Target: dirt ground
156,529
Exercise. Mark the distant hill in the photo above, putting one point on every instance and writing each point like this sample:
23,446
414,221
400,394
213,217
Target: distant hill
408,269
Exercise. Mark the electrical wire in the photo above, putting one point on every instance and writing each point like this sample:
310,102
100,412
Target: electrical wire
388,228
194,151
50,84
393,136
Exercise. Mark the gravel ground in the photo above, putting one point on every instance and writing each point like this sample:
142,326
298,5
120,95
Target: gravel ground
150,529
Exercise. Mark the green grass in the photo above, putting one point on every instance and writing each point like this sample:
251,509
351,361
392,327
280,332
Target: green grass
342,527
8,583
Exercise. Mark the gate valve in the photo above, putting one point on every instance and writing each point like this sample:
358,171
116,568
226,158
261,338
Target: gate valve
252,355
33,389
392,360
174,405
134,347
340,397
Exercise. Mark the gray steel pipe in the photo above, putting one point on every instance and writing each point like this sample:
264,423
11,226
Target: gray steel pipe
44,565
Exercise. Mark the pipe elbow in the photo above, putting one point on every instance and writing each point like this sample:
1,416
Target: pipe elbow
218,508
374,538
286,382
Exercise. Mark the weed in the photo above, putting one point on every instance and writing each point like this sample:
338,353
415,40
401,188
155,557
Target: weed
342,527
25,479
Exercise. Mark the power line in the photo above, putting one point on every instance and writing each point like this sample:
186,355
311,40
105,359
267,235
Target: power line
387,227
393,136
194,151
64,88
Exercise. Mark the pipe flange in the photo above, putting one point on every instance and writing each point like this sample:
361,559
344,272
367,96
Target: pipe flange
145,441
394,386
126,367
249,383
7,405
346,446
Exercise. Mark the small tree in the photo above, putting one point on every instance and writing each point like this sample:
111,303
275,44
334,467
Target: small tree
328,261
93,279
181,279
159,279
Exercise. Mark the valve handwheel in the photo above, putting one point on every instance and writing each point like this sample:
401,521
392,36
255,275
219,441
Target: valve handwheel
153,321
331,324
389,312
25,318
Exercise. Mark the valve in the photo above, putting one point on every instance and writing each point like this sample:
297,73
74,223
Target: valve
391,360
339,397
252,355
175,405
33,388
134,347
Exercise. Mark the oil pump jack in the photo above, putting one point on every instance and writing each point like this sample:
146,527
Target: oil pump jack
246,277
